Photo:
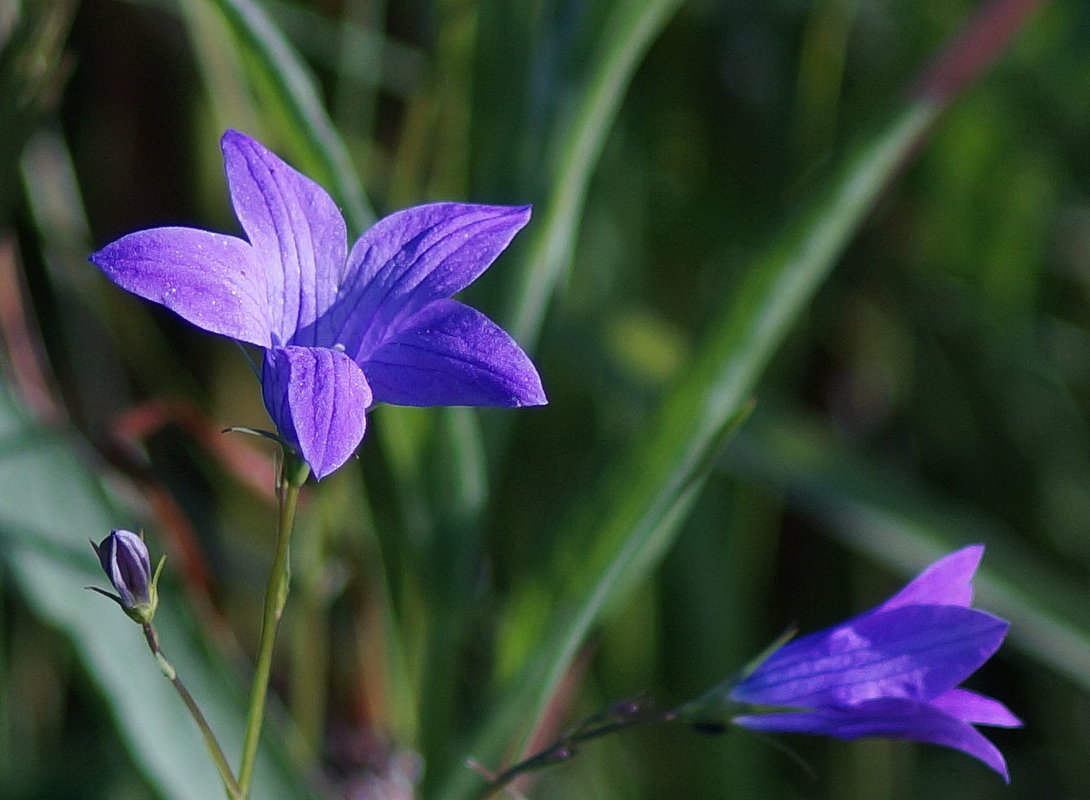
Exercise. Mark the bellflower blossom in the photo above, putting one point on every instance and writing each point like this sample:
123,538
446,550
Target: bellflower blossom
340,329
891,672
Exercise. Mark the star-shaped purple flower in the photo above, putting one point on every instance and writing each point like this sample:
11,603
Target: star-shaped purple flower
340,329
893,671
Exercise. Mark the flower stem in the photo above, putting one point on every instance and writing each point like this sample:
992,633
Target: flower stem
616,718
210,741
276,594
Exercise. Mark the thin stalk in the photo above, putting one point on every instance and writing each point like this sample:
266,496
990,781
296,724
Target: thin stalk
617,718
210,741
276,595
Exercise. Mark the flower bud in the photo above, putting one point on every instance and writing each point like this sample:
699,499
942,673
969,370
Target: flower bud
125,560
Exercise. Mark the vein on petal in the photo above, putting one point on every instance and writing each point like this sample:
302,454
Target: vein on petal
369,339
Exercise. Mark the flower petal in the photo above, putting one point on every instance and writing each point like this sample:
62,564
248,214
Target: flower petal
949,581
297,233
916,652
452,355
206,278
888,718
317,397
413,257
976,708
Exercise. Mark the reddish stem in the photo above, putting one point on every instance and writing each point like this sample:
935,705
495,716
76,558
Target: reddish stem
980,43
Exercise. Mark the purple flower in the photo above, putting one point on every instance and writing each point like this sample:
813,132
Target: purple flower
891,672
124,558
340,329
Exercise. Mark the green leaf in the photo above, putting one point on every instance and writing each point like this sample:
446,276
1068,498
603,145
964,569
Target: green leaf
629,31
49,507
634,518
293,94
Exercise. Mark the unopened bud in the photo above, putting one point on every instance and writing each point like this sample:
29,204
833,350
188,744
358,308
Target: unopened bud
125,560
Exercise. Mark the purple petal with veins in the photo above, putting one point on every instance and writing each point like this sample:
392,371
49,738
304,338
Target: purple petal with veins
892,671
336,323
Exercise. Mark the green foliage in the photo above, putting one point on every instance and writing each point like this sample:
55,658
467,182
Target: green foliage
46,494
736,209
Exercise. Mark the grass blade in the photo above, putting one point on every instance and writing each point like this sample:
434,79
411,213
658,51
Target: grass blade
278,69
631,29
632,521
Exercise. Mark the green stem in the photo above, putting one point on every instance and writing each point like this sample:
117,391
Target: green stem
210,741
276,594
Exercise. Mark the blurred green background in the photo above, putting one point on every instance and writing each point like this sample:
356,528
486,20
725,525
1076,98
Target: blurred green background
921,382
